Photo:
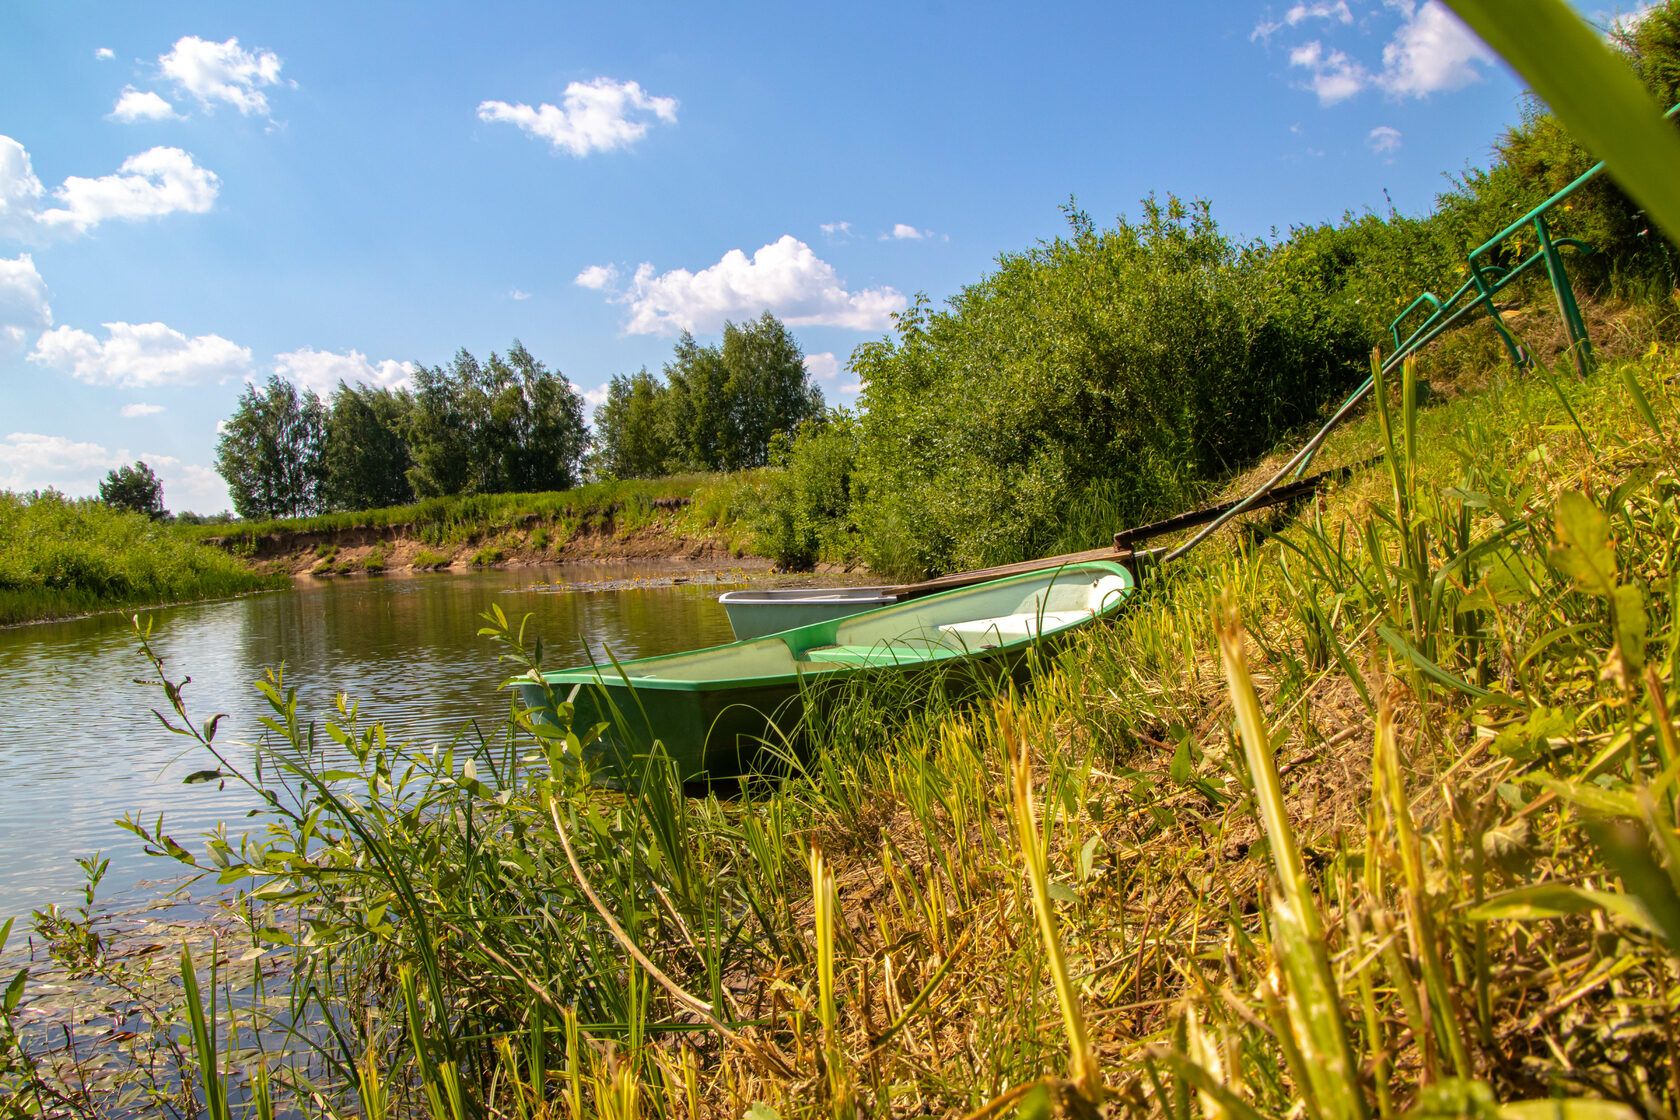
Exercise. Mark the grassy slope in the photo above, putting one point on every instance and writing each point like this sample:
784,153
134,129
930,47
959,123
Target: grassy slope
1382,874
59,559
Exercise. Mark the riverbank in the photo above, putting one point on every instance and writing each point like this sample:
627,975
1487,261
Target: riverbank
1366,807
61,558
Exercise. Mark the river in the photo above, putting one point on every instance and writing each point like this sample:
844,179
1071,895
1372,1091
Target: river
79,746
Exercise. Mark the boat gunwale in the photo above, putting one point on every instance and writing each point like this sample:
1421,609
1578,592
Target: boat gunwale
611,674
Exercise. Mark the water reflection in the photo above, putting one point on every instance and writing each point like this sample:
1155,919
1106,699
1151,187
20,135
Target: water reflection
79,746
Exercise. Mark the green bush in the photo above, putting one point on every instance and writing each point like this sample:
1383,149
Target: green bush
426,560
802,513
1146,360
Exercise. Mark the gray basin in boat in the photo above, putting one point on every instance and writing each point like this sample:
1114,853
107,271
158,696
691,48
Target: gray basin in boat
755,613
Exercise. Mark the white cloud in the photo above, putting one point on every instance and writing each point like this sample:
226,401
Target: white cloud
597,277
598,116
140,356
224,72
135,105
156,182
30,461
104,54
322,370
23,303
20,190
151,184
517,294
1337,12
1384,138
824,366
902,232
784,277
1334,76
851,387
1432,51
836,229
593,399
187,486
135,411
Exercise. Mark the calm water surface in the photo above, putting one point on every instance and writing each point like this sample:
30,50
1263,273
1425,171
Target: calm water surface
79,746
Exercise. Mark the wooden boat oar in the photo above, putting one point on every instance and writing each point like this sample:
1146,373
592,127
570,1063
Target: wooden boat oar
1122,549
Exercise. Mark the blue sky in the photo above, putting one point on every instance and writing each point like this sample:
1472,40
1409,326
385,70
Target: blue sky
192,195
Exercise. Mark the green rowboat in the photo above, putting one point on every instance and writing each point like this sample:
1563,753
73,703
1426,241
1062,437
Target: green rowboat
712,709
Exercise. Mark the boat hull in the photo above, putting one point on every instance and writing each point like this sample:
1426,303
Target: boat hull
714,711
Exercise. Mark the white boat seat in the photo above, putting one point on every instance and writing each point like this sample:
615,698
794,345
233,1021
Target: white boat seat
980,632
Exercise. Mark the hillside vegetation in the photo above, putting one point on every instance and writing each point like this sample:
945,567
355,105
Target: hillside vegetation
60,557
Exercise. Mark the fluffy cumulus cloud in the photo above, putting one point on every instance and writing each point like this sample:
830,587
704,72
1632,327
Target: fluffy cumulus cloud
20,191
151,184
824,366
1332,75
1433,50
322,370
32,461
140,356
23,303
104,54
135,411
1384,138
1430,51
784,277
597,277
224,73
136,105
595,116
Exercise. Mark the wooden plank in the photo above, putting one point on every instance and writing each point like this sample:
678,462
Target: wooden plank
1123,541
981,575
1128,537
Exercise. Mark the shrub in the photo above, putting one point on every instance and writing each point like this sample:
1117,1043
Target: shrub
802,513
1146,359
426,560
489,554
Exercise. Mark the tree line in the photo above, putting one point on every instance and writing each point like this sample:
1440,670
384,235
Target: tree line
509,424
715,410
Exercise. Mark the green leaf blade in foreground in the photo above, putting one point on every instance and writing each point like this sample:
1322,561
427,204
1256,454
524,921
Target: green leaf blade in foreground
1592,91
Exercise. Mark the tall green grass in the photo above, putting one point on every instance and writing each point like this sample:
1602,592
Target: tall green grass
1366,814
60,558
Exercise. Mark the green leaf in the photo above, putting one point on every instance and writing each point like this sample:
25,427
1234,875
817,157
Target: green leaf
1088,857
1061,892
1182,765
1557,900
1631,626
1457,1098
761,1111
14,992
1435,672
1576,1109
1627,849
202,776
1641,403
1593,93
1583,549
